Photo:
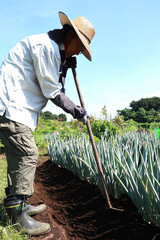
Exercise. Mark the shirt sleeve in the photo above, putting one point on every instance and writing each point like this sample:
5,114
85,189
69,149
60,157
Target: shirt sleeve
62,101
46,64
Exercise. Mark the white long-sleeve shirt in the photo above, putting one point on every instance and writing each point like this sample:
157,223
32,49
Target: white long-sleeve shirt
29,76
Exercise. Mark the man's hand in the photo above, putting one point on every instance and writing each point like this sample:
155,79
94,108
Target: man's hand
84,119
71,62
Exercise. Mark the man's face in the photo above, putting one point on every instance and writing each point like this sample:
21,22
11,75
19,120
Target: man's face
73,45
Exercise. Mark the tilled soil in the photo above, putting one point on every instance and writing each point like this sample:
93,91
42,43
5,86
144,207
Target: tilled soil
76,210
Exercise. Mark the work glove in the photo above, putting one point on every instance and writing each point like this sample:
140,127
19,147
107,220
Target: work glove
84,118
71,62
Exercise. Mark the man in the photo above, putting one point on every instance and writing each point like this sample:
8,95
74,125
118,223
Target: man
34,72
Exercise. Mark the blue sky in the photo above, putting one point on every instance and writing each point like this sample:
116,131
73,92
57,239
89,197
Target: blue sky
125,49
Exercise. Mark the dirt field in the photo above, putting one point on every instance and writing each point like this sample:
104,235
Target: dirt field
77,210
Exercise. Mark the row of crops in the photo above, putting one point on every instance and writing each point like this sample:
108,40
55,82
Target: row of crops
131,165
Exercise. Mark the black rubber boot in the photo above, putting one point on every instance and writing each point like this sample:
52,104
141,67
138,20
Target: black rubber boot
16,208
31,210
8,191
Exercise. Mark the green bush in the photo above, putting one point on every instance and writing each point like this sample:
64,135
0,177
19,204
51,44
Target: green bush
154,125
144,125
43,127
131,126
100,127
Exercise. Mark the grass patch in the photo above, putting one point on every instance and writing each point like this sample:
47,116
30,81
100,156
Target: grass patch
7,232
3,178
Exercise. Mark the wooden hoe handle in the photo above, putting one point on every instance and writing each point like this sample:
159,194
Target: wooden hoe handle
92,140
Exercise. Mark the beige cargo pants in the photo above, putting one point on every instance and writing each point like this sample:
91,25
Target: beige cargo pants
21,153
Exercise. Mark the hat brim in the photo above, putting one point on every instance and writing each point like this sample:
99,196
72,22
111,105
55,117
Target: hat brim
66,20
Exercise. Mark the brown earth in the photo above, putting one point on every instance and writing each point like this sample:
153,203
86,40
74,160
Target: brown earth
77,210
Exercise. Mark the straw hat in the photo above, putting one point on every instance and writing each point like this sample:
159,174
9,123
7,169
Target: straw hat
84,30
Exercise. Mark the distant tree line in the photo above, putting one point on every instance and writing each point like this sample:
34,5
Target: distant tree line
48,115
143,110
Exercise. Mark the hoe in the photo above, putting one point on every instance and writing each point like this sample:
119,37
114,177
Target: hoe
93,143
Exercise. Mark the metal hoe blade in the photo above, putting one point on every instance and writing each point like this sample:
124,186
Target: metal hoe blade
93,144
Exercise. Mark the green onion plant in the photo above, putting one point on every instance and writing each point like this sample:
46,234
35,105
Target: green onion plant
130,162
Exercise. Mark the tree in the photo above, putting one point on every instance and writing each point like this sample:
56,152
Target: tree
126,113
46,115
62,117
143,110
55,117
146,103
104,112
141,116
119,120
152,116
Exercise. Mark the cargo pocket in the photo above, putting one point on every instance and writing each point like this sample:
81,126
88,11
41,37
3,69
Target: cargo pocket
22,144
29,144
